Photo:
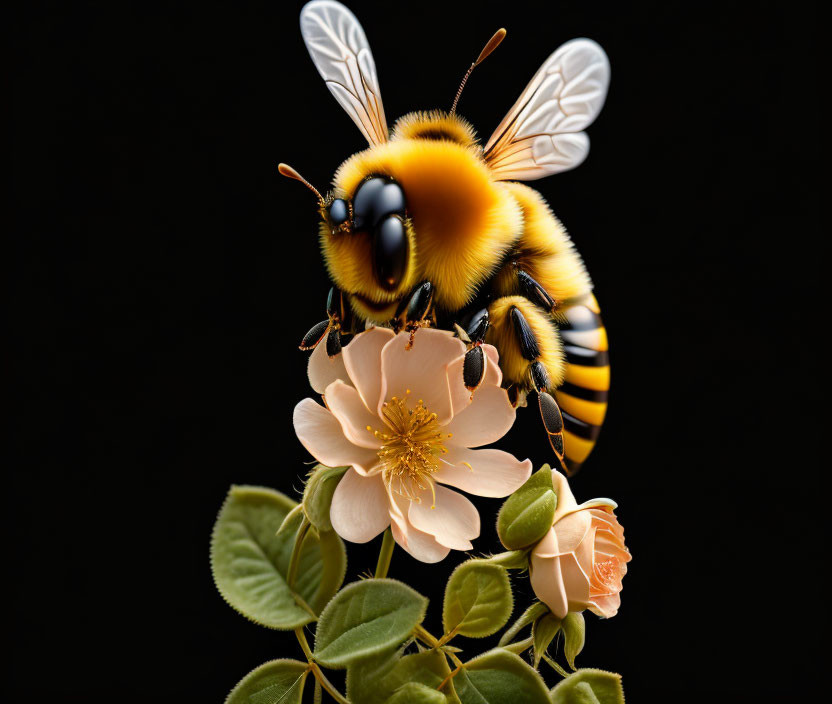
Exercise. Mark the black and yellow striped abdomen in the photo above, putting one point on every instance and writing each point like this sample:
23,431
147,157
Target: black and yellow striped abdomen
583,395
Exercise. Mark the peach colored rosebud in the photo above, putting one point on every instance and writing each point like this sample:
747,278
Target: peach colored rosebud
401,418
580,562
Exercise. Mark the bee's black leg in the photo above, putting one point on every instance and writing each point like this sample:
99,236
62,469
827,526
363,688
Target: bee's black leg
549,410
417,309
532,290
476,361
329,328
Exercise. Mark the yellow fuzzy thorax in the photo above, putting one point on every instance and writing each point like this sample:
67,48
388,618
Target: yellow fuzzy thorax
460,221
546,252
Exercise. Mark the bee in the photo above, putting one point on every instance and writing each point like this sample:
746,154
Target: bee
427,227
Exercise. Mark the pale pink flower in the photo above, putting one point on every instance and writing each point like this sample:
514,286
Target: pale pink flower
404,422
581,561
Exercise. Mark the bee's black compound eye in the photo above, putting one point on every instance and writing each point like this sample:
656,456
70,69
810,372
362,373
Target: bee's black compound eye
390,250
339,213
376,199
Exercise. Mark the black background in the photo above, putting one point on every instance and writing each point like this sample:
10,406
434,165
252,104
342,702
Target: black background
162,274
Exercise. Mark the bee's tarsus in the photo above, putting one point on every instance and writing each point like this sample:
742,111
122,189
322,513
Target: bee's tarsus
473,367
552,421
333,340
315,335
540,377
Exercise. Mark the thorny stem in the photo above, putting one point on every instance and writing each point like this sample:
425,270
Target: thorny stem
385,554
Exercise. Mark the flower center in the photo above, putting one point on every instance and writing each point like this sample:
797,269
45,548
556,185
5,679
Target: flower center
411,446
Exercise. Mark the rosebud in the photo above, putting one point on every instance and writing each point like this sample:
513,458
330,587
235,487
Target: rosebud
581,560
317,495
527,514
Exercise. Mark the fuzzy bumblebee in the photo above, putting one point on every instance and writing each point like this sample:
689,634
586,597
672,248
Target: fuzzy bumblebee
428,227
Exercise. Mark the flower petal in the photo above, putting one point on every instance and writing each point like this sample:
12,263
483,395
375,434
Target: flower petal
320,433
546,578
566,499
352,414
422,546
452,519
323,369
486,419
605,606
572,530
483,472
359,510
421,369
362,359
493,373
575,582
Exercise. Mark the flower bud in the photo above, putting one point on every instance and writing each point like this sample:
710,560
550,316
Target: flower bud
317,495
581,559
527,514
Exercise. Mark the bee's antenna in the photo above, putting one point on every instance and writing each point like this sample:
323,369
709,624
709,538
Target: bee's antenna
289,172
493,43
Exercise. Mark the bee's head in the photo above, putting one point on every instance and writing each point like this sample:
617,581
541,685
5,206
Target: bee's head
367,243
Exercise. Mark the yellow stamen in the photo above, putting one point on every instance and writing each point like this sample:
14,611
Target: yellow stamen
411,444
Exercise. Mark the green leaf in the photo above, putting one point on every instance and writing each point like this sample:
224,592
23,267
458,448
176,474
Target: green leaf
250,561
530,615
478,599
543,632
374,680
366,618
276,681
589,687
574,636
317,495
415,693
527,514
500,677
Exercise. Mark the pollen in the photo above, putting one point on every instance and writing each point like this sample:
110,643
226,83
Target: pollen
411,446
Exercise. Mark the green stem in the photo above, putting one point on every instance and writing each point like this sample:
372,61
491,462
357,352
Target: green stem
304,644
294,560
429,639
328,686
316,670
385,553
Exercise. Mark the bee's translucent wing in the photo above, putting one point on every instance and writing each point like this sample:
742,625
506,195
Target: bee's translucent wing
542,133
340,51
